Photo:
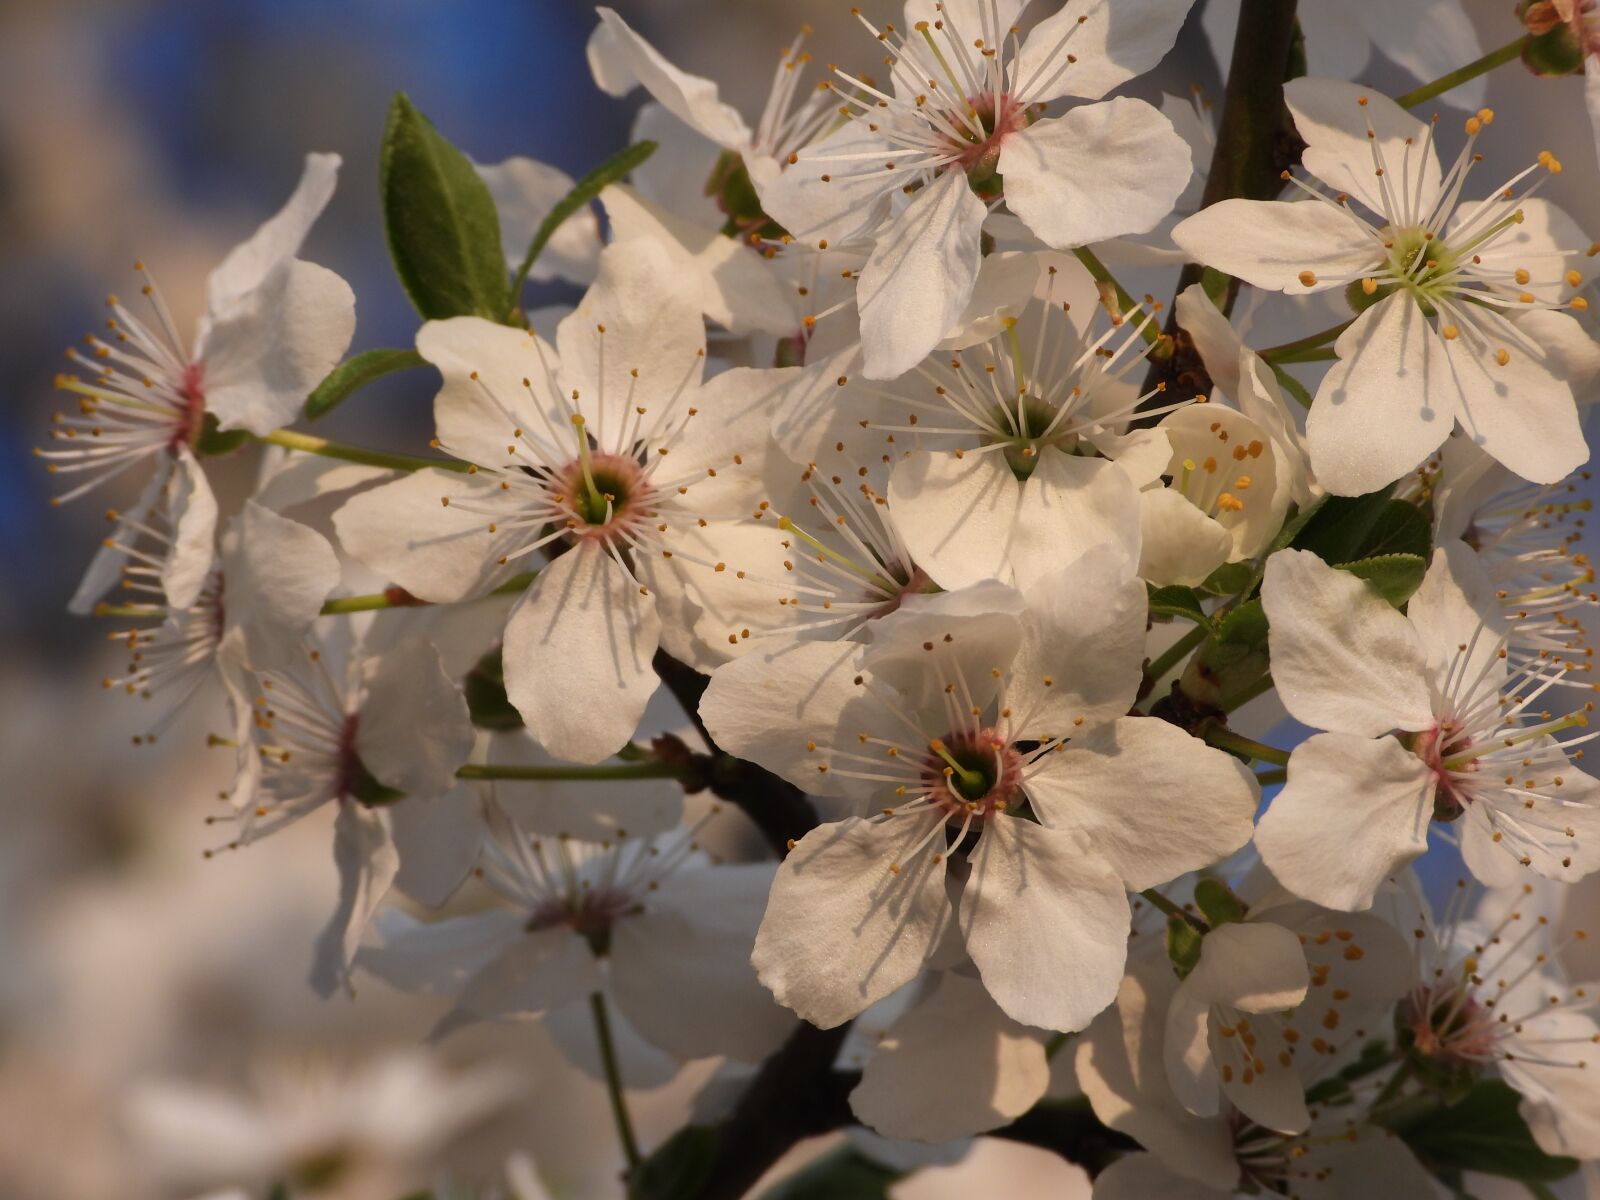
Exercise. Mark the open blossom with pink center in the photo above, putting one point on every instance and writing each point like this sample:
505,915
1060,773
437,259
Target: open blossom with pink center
651,923
1488,991
1529,539
1458,300
272,328
1427,721
364,734
605,451
959,127
253,605
979,712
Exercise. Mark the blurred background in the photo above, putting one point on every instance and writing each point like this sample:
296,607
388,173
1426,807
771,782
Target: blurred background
166,131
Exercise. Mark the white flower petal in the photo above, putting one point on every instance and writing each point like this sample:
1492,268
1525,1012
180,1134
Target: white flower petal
437,552
483,400
437,957
1213,335
1071,505
680,970
1026,878
276,578
1100,171
674,177
268,348
953,1066
1456,607
916,284
782,708
279,238
367,861
438,843
633,341
619,59
1112,41
1139,1176
582,619
1556,830
1148,798
737,289
1255,967
1120,1065
1083,627
1372,799
1270,243
192,513
855,912
1179,543
1388,402
1342,657
956,514
524,192
1334,117
533,974
1523,414
414,729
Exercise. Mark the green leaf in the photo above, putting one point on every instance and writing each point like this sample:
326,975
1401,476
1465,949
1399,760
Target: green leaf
1401,528
1340,526
1183,946
678,1168
443,233
485,691
1483,1132
843,1175
1230,579
1244,625
1175,601
1348,528
1395,576
355,373
1217,902
583,192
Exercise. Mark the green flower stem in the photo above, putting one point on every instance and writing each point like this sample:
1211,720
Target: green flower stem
1177,652
136,611
1161,904
307,444
1460,75
1149,330
1246,694
619,1102
1392,1089
399,598
1291,385
1312,341
1224,738
1319,354
650,768
1268,778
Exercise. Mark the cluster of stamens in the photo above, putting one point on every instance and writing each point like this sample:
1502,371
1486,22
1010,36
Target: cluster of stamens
140,395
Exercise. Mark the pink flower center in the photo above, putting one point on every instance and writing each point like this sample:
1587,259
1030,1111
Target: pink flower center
608,501
1434,746
996,120
191,387
1450,1027
590,915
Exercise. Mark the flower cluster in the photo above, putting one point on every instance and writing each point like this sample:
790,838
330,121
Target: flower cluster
858,504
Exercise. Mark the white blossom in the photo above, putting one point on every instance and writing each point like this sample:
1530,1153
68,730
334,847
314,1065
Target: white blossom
1426,721
1460,298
